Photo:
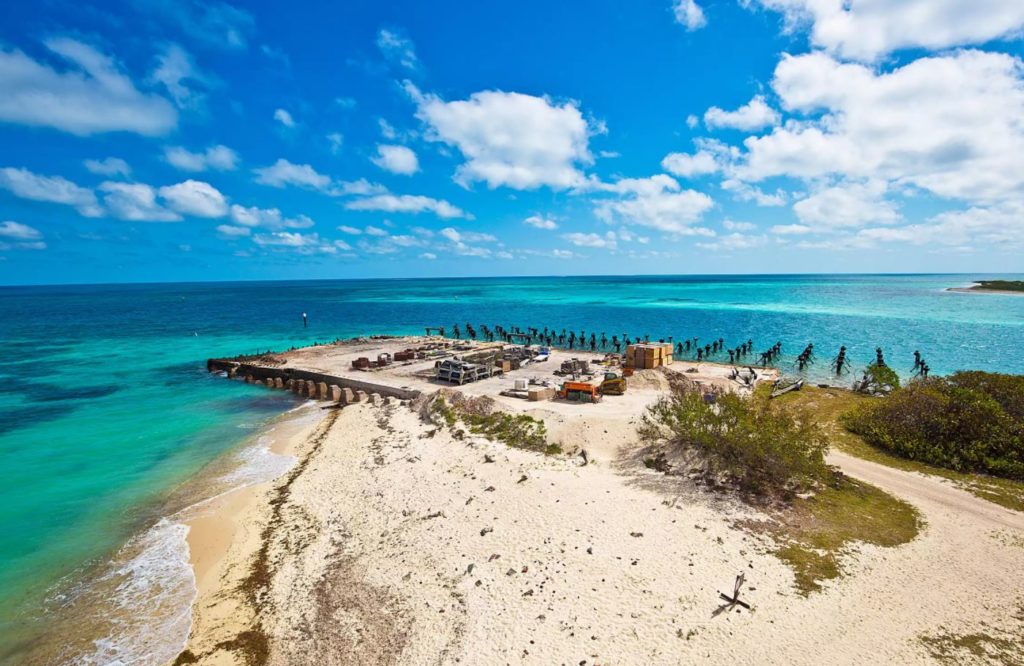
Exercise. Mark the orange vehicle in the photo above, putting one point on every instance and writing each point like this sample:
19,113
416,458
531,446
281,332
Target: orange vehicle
579,392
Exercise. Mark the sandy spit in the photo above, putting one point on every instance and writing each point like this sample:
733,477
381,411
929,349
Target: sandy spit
397,544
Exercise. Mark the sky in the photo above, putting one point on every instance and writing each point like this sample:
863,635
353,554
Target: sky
160,140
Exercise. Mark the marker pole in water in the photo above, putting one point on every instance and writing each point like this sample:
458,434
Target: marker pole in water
305,321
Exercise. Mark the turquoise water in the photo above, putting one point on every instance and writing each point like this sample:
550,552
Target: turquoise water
105,404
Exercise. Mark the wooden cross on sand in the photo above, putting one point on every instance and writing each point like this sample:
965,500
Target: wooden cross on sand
735,598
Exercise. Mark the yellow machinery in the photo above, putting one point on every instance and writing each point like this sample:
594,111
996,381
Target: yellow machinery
613,384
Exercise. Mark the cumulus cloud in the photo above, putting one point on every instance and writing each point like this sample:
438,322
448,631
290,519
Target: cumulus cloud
19,232
302,243
846,205
754,115
111,166
901,126
540,222
196,198
91,96
397,48
176,71
219,158
407,203
511,139
457,236
689,14
790,229
868,29
135,202
687,166
335,140
747,192
396,159
283,117
283,173
270,218
53,189
657,202
732,242
231,231
608,241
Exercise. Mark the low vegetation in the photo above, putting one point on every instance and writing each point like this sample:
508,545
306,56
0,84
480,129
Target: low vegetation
773,452
763,452
829,405
1000,645
879,380
519,431
1000,285
816,530
967,422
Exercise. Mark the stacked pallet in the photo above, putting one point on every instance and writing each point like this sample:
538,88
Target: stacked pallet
648,355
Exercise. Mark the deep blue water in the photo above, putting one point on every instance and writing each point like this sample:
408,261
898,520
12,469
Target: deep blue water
105,403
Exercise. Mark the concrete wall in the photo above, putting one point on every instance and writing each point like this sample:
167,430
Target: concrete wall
305,378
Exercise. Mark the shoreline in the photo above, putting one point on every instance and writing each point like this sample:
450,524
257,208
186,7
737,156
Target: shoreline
402,538
982,290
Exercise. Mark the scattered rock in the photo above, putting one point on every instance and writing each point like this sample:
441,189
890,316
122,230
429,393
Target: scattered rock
485,531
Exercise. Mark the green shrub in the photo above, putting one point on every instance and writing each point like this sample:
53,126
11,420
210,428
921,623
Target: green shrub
879,379
520,431
763,451
969,422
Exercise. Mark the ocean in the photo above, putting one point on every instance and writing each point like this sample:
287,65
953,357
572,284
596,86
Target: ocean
107,411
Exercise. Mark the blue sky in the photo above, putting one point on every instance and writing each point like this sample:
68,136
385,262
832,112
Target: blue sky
149,140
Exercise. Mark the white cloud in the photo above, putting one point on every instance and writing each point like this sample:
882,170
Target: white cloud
111,166
754,115
177,72
335,140
53,189
301,243
397,48
19,232
747,192
868,29
428,255
791,229
520,141
457,236
216,24
216,157
687,166
657,202
269,218
396,159
352,231
901,126
92,96
361,187
730,225
608,241
196,198
283,173
135,202
387,130
846,205
283,117
734,241
232,231
540,222
689,14
375,231
407,203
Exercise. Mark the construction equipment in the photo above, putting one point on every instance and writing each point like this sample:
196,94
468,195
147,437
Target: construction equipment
460,372
613,384
579,392
648,355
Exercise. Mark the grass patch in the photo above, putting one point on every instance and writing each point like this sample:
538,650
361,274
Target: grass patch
990,646
519,431
828,405
815,531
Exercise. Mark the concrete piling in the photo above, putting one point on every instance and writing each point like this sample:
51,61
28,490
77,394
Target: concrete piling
335,393
360,396
310,389
278,383
348,396
322,392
